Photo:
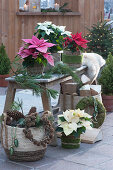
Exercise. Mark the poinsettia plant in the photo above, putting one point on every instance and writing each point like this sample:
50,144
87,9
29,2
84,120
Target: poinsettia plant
74,122
75,42
36,51
52,33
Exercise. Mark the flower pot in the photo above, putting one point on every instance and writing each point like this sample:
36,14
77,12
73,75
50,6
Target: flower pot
56,57
108,102
26,150
70,142
35,70
73,60
3,83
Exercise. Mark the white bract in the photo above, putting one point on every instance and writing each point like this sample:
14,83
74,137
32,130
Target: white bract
45,27
71,120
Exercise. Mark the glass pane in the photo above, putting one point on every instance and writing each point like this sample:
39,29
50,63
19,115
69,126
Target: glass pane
47,4
21,3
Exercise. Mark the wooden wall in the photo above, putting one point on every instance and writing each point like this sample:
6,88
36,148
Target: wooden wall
13,28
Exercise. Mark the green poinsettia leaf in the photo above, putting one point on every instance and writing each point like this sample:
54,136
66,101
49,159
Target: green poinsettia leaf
62,119
59,129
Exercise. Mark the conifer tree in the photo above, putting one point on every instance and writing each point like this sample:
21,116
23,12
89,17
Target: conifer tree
100,38
4,61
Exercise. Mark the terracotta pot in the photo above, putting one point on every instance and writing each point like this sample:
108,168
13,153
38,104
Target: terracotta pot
3,83
108,102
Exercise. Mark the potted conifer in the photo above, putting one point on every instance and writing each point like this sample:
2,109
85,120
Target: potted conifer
106,80
4,66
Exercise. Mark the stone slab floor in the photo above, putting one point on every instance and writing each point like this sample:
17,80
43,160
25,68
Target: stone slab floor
98,156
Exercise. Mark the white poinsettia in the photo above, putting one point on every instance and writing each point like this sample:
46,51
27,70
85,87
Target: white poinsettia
47,23
71,120
48,31
54,26
42,27
86,124
68,33
61,28
68,128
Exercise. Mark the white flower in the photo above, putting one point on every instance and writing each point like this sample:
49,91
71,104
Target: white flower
61,28
87,115
68,128
86,124
42,27
46,23
54,26
68,33
48,31
68,114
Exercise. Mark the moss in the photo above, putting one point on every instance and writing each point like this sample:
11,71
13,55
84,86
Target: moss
70,142
86,102
72,59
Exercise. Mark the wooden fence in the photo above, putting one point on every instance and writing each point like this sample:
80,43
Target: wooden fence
14,27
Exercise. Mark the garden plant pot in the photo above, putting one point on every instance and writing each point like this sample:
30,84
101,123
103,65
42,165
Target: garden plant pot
73,60
35,70
3,83
70,142
26,150
56,57
108,102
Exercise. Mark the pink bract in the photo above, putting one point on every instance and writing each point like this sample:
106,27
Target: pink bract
40,45
33,47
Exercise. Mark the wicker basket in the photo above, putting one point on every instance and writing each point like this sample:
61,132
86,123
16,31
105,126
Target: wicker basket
35,70
26,151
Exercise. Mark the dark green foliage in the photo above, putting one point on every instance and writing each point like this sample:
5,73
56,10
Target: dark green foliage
39,122
61,9
100,39
30,82
29,61
62,119
4,61
106,77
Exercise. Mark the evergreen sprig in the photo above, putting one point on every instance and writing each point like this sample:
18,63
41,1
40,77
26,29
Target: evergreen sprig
30,82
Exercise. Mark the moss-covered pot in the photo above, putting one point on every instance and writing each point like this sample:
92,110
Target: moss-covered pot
73,60
70,142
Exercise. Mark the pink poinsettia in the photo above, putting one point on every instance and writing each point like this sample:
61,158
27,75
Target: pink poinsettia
36,48
75,42
40,45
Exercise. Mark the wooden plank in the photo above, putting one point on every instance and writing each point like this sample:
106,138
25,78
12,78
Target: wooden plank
47,13
17,25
